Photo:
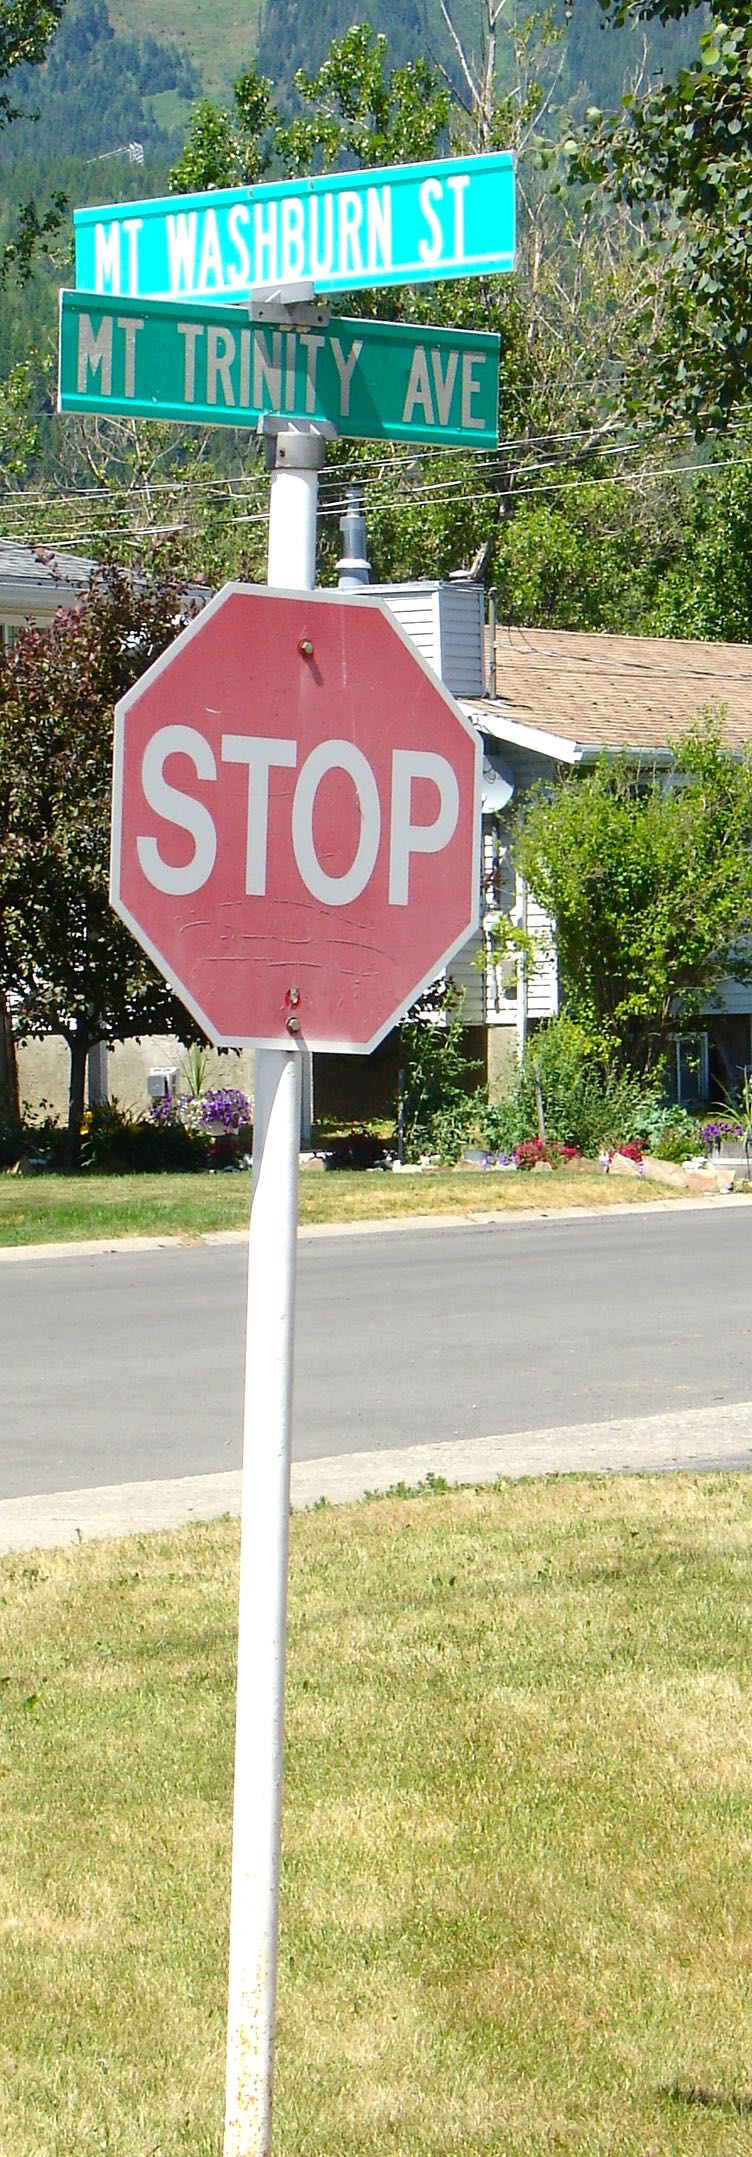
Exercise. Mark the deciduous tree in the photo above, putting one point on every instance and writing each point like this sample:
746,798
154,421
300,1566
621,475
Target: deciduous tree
679,153
648,881
67,965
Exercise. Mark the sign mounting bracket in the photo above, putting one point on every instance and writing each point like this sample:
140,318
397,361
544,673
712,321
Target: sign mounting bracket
297,304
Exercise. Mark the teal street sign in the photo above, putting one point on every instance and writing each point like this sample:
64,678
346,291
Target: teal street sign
405,224
209,364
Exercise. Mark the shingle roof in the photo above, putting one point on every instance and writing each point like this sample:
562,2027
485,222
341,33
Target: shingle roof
40,571
620,692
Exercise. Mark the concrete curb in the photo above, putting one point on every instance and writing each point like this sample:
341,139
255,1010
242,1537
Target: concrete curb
697,1439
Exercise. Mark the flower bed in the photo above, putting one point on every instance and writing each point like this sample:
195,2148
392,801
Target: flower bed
543,1153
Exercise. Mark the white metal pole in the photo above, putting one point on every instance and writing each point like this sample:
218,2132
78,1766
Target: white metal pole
293,510
254,1909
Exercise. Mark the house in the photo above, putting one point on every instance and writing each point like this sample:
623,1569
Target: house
34,583
544,700
560,699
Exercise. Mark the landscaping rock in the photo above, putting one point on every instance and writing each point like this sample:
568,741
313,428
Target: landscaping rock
702,1179
664,1171
622,1166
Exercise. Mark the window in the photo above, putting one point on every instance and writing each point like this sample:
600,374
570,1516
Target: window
691,1068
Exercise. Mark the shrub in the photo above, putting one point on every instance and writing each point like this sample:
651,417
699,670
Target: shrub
497,1125
356,1149
117,1144
439,1113
679,1138
586,1103
40,1138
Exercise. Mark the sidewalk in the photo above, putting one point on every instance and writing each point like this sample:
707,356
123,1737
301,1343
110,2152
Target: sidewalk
699,1439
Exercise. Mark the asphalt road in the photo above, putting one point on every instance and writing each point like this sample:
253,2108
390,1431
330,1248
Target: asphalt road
128,1366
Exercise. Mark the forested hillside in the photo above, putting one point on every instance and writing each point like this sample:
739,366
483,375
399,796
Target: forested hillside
597,59
111,79
98,92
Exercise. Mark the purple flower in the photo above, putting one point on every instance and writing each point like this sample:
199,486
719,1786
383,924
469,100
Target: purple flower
227,1106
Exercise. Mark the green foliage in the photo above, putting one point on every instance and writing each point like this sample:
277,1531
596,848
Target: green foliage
648,881
229,147
69,965
18,433
706,591
29,1137
26,27
299,34
679,153
497,1125
589,558
437,1108
99,90
588,1102
355,109
677,1136
114,1143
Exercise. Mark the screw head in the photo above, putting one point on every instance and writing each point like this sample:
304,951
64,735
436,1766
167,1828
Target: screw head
293,1025
305,647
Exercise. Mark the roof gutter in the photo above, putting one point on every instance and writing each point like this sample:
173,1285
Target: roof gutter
560,748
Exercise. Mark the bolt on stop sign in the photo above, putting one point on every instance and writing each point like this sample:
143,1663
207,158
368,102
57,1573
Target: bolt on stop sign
295,819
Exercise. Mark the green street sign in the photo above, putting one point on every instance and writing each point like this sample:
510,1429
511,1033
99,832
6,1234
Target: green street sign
209,364
403,224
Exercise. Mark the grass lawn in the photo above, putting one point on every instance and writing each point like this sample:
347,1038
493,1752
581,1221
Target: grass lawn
517,1891
58,1209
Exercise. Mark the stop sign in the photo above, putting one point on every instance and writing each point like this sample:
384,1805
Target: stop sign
295,819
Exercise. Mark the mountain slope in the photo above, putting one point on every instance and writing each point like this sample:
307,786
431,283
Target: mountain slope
287,34
220,38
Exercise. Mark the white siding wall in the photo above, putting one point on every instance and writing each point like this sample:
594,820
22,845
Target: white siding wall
415,607
461,625
501,986
543,983
467,976
445,622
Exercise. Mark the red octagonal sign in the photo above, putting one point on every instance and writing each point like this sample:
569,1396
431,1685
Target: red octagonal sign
295,819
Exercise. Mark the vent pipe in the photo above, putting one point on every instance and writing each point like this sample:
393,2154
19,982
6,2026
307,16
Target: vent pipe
354,568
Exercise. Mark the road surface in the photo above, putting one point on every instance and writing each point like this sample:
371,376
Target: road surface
127,1367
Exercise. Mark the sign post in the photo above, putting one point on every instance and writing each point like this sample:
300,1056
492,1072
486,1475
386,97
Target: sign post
265,1502
295,843
305,901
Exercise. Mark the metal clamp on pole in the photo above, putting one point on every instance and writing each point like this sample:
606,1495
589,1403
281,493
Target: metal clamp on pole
296,304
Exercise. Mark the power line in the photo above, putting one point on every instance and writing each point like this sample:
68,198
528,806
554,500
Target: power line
116,526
